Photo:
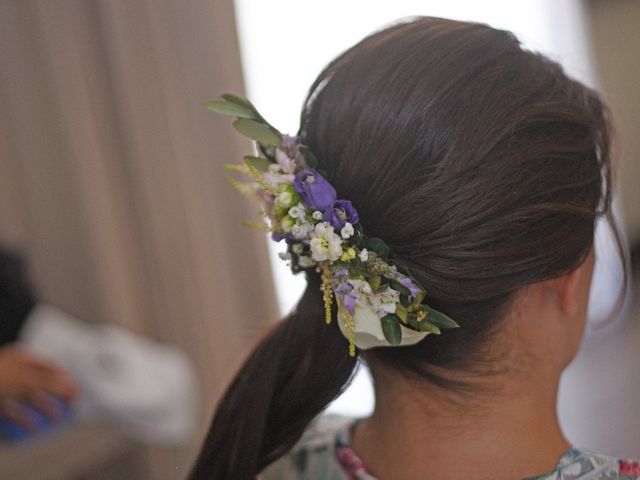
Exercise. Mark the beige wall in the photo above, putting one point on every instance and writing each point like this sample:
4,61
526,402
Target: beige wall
615,34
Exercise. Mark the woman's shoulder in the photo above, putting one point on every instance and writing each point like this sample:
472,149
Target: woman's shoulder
314,455
586,464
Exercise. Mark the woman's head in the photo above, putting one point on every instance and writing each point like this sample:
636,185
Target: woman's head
482,166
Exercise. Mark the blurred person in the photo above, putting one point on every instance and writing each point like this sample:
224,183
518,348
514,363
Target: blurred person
441,197
145,388
34,393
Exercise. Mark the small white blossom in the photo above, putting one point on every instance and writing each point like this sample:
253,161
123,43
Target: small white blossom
317,215
361,291
347,231
284,256
274,176
364,255
302,231
297,248
305,261
325,244
385,302
297,211
361,288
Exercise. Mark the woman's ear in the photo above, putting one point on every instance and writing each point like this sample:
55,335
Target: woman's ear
569,291
572,289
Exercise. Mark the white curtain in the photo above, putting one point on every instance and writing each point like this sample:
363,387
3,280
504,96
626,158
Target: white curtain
111,179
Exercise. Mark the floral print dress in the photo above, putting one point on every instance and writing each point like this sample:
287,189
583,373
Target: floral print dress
324,453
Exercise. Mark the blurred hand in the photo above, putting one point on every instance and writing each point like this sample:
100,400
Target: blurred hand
27,379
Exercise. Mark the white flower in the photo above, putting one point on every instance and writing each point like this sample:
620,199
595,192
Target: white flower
385,302
305,261
347,230
317,215
284,256
302,231
284,199
297,211
364,255
297,248
325,244
287,223
368,329
274,177
361,290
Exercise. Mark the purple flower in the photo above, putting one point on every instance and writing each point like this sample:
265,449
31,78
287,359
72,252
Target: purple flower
339,213
406,281
277,236
341,272
343,291
316,192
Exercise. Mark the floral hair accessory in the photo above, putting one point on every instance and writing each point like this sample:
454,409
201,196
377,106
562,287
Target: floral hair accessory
379,302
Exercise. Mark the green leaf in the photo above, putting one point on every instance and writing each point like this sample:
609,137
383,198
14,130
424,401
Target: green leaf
391,329
247,104
417,301
229,97
260,163
377,246
438,318
402,267
235,167
310,158
267,152
425,326
404,299
227,108
257,131
358,235
401,312
375,281
396,285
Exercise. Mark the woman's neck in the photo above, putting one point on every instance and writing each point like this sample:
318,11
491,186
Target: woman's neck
506,435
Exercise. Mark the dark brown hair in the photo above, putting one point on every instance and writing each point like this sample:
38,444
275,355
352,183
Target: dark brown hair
481,164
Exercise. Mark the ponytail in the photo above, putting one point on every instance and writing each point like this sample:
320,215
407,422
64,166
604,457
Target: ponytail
291,376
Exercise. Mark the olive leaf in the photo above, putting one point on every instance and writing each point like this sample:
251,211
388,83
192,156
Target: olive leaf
438,318
267,152
425,326
259,163
391,329
378,246
310,158
396,285
224,107
243,101
358,235
402,267
375,282
417,301
401,312
257,131
231,98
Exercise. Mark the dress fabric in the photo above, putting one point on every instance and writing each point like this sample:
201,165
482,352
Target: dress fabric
324,453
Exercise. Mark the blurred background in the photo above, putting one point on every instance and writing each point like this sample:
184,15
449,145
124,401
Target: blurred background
129,289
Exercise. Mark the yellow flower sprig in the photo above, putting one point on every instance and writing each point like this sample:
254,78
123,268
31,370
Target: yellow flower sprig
327,291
